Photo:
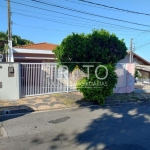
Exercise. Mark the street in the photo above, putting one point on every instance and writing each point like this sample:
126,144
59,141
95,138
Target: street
90,128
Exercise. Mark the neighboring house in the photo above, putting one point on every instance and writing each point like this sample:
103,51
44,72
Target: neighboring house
34,53
137,60
42,52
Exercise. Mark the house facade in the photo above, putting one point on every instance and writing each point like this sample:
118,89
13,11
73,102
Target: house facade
34,53
137,60
43,52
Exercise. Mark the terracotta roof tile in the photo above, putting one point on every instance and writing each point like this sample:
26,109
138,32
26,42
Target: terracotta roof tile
39,46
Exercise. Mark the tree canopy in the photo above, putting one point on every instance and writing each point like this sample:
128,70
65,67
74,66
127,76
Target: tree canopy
84,49
98,46
16,40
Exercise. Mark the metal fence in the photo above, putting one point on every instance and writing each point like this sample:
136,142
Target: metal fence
45,78
42,78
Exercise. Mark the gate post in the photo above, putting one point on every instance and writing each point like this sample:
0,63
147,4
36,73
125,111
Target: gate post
67,81
19,76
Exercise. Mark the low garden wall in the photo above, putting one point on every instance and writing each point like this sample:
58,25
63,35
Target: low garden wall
128,77
9,81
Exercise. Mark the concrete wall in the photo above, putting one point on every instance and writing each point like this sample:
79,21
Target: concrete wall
129,74
10,85
136,62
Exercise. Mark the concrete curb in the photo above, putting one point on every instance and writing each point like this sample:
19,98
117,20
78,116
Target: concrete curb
14,111
107,105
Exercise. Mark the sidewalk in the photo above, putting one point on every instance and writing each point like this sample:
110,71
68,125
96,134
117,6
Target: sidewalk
66,100
43,102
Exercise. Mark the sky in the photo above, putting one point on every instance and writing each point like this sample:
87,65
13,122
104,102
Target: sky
39,21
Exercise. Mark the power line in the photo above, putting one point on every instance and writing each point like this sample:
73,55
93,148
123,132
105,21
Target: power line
139,34
88,5
78,16
66,8
125,10
65,18
61,17
62,22
40,28
44,28
52,20
139,47
59,21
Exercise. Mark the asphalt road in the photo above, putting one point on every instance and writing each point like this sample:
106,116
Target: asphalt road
93,128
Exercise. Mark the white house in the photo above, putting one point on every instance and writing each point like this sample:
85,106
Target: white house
139,61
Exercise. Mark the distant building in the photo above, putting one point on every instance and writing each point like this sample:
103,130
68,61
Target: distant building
34,53
43,52
137,60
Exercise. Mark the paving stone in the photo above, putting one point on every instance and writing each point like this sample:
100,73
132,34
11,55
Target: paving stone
44,96
21,102
31,102
53,99
59,106
30,105
71,99
46,100
54,103
39,104
44,107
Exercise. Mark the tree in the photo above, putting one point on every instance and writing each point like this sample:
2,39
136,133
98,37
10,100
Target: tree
136,75
16,40
3,36
99,46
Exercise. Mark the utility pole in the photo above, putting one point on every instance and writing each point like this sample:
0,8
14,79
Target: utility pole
131,51
10,52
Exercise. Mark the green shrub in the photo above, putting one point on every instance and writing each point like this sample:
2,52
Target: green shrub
95,89
84,49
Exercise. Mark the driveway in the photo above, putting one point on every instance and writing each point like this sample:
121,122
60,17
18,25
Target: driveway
92,128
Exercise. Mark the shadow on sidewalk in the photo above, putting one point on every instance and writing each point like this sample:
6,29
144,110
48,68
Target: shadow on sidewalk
11,112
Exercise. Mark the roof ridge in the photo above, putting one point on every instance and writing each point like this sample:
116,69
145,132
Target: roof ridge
34,44
135,54
42,46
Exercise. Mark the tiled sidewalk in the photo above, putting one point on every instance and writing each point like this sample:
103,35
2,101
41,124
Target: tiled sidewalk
65,100
43,102
128,97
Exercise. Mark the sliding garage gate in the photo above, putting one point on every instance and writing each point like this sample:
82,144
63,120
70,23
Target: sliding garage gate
46,78
42,78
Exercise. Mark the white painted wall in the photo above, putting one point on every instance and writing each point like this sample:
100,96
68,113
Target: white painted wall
10,85
137,62
33,51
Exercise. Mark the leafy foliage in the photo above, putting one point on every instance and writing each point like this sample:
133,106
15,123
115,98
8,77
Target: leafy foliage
99,46
94,89
16,40
136,73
